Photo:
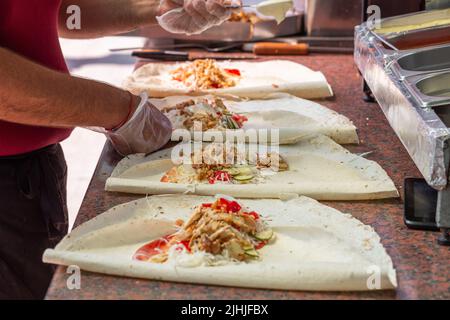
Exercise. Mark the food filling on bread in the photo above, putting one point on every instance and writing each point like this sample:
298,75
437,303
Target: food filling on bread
211,113
218,232
223,163
205,74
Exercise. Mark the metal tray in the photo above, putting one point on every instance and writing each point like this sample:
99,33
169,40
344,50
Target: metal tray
415,62
433,59
421,38
430,90
331,18
411,112
435,86
428,19
233,31
417,108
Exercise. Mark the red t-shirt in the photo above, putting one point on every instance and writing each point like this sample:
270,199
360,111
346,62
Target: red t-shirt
30,28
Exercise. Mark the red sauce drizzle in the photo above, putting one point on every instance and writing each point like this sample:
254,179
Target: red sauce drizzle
235,72
160,245
153,248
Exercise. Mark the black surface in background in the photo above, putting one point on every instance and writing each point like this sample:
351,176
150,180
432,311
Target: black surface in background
420,204
171,310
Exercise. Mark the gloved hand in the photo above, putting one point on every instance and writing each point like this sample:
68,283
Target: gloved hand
193,16
146,131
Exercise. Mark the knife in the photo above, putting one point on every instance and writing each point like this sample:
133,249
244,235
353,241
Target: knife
170,55
278,48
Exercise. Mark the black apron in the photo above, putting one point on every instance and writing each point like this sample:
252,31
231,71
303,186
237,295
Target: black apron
33,217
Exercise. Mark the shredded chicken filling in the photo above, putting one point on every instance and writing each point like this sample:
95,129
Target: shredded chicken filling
218,228
205,74
210,114
245,17
224,164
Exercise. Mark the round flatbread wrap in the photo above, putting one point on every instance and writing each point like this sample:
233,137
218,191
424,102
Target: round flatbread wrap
316,247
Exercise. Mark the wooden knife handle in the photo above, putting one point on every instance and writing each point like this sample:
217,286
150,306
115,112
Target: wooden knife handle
277,48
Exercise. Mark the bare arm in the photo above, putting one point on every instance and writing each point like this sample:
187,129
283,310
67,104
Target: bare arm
106,17
34,95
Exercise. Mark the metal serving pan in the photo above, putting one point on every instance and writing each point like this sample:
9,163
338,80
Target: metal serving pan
415,62
429,19
433,59
417,108
233,31
430,90
416,122
332,17
436,86
420,38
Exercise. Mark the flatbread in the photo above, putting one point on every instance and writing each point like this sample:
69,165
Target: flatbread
294,117
318,168
257,80
316,247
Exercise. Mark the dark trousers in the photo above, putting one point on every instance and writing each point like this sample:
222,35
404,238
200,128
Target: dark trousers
33,217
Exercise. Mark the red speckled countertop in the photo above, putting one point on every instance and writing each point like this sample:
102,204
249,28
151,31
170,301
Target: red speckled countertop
422,265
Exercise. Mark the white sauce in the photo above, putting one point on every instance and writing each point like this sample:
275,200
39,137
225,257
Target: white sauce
275,8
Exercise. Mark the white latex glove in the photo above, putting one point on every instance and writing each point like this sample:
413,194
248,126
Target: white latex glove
146,131
193,16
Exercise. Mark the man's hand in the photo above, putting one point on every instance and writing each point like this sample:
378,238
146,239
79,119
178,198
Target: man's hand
146,131
192,16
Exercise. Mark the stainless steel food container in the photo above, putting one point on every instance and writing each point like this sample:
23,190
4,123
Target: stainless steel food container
425,37
332,17
412,88
426,60
435,85
430,90
414,22
415,62
339,17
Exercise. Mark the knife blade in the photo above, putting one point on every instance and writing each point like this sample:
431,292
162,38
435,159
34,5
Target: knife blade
170,55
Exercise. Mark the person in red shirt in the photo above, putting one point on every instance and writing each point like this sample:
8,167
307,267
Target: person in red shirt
41,103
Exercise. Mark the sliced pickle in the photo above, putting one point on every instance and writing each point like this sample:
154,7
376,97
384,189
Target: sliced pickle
243,177
245,171
252,253
264,235
233,171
